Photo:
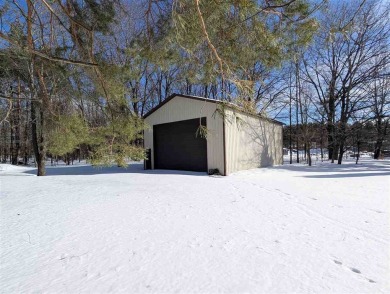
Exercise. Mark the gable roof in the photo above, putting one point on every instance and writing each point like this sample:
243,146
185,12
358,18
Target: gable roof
208,100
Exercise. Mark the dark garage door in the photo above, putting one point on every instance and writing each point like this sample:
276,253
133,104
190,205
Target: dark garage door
176,146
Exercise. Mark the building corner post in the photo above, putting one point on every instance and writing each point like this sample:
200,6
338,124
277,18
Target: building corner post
224,143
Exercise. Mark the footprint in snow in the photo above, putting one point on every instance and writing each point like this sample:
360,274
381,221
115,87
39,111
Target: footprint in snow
377,211
337,262
282,192
355,270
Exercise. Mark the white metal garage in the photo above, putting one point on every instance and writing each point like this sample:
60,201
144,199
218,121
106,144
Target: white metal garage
235,140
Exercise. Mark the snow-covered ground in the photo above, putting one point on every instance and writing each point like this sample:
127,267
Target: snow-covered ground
284,229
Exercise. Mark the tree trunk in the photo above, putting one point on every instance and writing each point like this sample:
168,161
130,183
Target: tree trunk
308,154
37,119
341,153
26,136
41,166
330,123
13,155
15,130
5,149
331,140
321,145
358,152
378,148
37,137
297,97
342,132
335,153
379,140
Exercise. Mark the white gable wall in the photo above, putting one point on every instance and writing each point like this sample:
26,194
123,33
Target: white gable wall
178,109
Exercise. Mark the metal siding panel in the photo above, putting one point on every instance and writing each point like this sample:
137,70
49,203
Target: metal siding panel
251,142
180,108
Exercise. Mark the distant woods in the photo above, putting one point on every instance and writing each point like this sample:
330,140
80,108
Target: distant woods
77,76
342,79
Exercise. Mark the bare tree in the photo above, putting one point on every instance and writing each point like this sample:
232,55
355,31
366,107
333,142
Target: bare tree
380,95
351,46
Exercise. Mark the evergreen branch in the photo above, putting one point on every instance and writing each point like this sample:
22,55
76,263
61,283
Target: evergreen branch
269,9
48,57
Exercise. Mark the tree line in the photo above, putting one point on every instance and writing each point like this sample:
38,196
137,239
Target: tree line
78,75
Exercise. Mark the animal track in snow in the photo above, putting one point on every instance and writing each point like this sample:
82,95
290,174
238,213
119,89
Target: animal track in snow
338,206
337,262
280,191
355,270
377,211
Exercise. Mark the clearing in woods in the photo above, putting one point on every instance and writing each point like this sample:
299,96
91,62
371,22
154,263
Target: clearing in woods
283,229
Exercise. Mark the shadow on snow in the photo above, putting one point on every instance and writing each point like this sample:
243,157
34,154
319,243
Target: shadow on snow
347,170
348,175
87,170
